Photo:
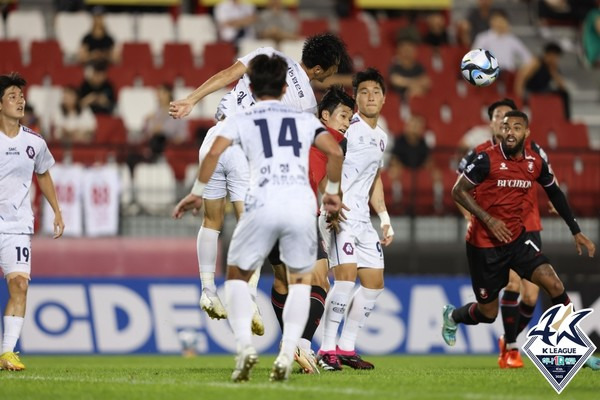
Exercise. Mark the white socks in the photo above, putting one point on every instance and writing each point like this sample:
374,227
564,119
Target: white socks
361,306
12,332
253,283
334,312
239,311
295,315
207,244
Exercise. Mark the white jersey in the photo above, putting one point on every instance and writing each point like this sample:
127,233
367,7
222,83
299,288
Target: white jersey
276,140
20,157
364,156
299,93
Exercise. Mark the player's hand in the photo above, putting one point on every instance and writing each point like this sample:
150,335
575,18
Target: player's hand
333,222
551,208
59,225
332,203
189,202
582,240
388,235
180,108
342,215
499,229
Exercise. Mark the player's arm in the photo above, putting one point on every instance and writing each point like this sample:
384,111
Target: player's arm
377,200
466,160
193,201
474,174
539,150
181,108
560,203
47,187
335,157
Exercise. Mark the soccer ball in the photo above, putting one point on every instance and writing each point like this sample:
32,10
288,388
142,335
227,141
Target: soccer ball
479,67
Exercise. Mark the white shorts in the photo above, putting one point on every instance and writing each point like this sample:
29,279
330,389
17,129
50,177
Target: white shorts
261,226
232,173
15,253
356,243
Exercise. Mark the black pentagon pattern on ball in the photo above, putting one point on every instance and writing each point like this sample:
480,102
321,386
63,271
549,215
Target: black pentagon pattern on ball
479,67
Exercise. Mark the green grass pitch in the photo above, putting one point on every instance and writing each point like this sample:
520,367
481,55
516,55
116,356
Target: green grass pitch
207,377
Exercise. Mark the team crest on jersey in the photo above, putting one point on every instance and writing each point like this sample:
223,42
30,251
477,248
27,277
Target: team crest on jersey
348,248
530,166
30,152
381,145
503,167
483,293
557,346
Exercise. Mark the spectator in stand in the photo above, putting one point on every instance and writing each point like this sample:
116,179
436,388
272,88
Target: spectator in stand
277,23
508,49
96,92
71,122
478,19
591,37
542,75
569,12
160,123
436,30
407,76
235,20
97,45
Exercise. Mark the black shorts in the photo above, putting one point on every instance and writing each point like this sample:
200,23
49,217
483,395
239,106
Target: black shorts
321,253
489,267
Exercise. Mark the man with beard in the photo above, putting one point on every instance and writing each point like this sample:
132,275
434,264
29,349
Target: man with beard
497,241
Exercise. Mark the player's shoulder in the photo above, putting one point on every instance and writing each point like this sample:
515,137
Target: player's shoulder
30,131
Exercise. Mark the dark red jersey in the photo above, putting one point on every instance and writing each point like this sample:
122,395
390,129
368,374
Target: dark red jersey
531,213
317,161
503,186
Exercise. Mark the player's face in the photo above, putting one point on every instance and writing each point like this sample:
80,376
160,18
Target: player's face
13,103
369,99
515,133
497,121
339,119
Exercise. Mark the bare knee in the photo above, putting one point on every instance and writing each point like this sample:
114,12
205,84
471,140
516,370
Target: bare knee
17,286
529,293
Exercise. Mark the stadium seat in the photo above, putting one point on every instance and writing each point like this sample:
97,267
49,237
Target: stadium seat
179,157
178,57
354,33
208,105
33,74
136,56
425,56
89,155
120,26
310,27
426,106
391,111
451,57
388,31
45,100
191,174
377,57
110,130
46,55
197,128
546,106
156,29
182,93
70,28
467,111
196,76
219,55
120,77
197,30
443,86
125,182
11,59
292,48
26,26
247,46
134,105
68,75
154,187
2,29
158,76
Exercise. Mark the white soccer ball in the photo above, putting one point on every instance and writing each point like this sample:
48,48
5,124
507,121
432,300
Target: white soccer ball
479,67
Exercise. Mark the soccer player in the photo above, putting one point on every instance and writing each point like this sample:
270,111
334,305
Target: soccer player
22,152
321,57
497,240
515,315
356,250
276,139
335,109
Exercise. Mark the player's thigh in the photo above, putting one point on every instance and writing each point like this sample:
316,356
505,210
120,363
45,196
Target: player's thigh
489,270
342,247
15,254
237,172
253,239
368,247
527,254
298,240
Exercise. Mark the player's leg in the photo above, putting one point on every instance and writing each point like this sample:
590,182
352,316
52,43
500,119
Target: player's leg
529,297
510,316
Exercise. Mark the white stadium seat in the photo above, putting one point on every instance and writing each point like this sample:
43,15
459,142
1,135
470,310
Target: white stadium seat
70,28
156,29
26,26
46,101
154,187
121,26
134,105
292,49
249,45
182,93
197,30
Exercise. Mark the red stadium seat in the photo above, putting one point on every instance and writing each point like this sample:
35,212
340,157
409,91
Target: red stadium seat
110,130
178,57
354,33
121,76
426,106
451,57
391,113
219,55
46,54
11,55
310,27
179,157
546,106
90,155
388,31
466,112
196,76
33,74
136,56
68,75
197,126
425,57
158,76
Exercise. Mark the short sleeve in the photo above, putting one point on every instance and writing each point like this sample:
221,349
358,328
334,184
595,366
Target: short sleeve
229,129
478,169
546,177
466,160
43,160
261,50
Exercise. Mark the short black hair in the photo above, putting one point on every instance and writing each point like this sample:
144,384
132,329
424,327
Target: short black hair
500,12
504,102
335,96
326,50
518,114
553,48
267,75
11,79
369,74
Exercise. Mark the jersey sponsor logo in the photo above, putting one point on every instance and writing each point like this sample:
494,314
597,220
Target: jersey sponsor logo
514,183
13,151
348,248
530,167
297,85
30,152
503,167
557,346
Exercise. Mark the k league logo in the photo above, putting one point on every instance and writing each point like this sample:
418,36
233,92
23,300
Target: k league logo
557,346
